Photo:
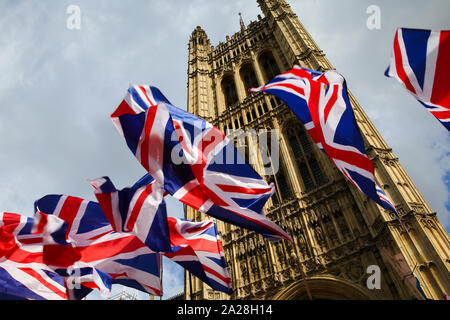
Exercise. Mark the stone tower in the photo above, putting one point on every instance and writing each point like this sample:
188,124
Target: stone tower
341,237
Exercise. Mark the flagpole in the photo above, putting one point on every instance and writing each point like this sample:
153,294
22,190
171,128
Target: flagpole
190,285
160,275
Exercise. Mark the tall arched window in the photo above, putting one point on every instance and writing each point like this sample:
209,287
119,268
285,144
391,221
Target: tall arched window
269,65
229,91
302,149
248,76
282,189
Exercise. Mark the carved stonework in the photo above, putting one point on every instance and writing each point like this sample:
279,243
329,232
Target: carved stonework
428,223
336,230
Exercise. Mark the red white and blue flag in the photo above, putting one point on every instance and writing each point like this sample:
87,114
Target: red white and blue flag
420,60
138,210
320,101
191,159
64,257
122,256
196,246
23,272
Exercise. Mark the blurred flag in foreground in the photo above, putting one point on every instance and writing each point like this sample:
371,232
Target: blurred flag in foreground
23,272
122,256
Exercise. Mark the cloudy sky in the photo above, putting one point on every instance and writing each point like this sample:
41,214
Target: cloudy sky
58,87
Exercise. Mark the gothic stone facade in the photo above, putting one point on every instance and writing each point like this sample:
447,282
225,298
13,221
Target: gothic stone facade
338,232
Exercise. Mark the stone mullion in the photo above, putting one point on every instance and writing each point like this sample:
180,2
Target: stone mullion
291,169
256,67
234,264
238,83
442,281
410,183
429,255
417,253
441,238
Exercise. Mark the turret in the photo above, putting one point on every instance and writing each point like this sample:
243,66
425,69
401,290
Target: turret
199,82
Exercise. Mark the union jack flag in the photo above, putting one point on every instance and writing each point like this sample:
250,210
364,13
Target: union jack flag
40,268
21,227
421,62
122,256
321,102
191,159
23,272
62,256
197,247
138,210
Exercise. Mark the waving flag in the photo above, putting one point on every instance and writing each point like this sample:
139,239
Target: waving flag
65,258
321,102
127,260
138,210
197,248
21,227
421,62
122,256
48,252
191,159
85,219
23,272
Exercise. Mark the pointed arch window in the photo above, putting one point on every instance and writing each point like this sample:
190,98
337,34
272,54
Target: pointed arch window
248,76
282,189
229,91
302,148
269,65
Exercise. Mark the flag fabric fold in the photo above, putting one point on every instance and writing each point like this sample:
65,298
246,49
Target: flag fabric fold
23,272
24,264
321,102
190,158
420,61
139,210
197,247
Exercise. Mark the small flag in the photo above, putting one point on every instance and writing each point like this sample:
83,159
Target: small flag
241,22
197,247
